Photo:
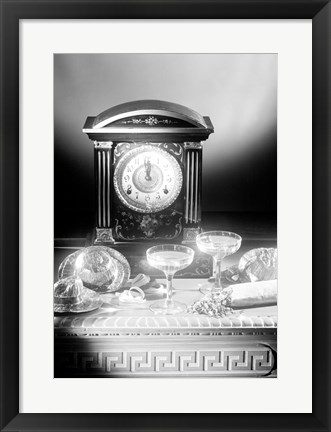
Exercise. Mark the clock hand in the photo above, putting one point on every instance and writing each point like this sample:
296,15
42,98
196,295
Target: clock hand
148,167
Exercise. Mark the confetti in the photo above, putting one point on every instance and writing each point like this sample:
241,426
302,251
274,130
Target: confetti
214,305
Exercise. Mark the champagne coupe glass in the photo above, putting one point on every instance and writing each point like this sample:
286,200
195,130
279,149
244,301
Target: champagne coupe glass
218,244
169,258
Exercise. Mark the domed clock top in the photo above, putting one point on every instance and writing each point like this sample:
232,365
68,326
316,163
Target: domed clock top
148,118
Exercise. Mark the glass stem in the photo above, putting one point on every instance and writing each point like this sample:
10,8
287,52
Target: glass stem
169,287
217,273
214,267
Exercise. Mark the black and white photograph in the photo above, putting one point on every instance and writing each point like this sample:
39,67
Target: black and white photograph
165,215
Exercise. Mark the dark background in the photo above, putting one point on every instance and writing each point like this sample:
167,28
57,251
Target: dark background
237,91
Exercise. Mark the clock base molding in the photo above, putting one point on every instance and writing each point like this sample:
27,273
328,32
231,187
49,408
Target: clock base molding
103,236
135,253
190,235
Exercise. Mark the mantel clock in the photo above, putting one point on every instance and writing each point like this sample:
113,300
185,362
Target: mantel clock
148,166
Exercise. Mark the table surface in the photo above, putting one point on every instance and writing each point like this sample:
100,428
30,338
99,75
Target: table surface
115,316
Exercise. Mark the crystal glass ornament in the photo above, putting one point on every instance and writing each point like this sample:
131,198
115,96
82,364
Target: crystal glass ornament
259,264
96,267
169,259
218,244
68,268
70,288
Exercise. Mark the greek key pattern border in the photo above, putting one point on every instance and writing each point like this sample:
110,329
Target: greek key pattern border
258,361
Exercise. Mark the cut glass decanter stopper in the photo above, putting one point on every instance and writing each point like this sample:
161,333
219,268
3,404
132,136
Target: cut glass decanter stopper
70,295
70,289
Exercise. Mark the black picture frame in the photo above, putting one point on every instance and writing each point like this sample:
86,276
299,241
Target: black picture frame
14,10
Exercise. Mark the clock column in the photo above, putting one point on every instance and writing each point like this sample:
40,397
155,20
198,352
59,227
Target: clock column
192,182
103,182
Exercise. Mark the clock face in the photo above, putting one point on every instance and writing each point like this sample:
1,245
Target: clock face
148,179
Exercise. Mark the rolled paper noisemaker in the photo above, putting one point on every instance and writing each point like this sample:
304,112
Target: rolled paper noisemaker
252,294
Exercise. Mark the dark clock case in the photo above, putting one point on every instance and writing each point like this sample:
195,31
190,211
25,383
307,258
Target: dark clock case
172,128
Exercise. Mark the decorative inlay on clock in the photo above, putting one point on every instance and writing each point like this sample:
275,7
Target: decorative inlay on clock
150,121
